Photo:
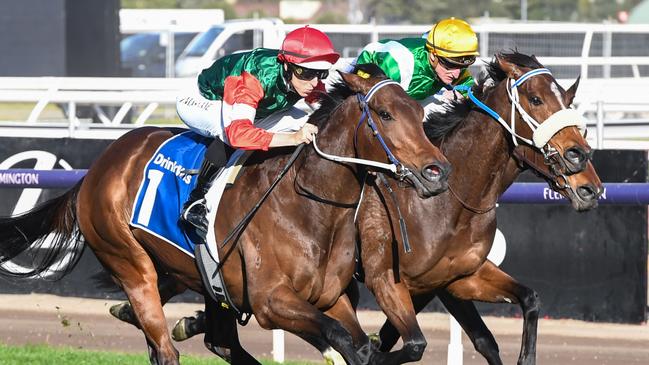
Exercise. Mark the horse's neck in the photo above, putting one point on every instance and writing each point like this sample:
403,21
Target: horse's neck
327,179
483,166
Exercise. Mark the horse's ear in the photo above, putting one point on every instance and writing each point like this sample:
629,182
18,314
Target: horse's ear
512,70
535,59
572,91
356,83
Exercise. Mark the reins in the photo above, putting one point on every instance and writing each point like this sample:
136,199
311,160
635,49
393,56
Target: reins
541,132
244,317
464,203
402,223
395,166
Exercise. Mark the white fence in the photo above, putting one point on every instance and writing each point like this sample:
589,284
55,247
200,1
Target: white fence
592,50
146,93
618,108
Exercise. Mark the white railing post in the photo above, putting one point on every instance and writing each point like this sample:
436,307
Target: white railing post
72,117
607,45
170,49
600,124
374,37
455,354
585,50
278,346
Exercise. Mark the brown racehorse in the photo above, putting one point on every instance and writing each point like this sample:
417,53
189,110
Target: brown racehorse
449,252
296,256
453,232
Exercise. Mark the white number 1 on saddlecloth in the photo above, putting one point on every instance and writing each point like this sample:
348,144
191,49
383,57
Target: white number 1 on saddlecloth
155,177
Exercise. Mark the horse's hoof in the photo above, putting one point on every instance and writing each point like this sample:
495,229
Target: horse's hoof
179,332
333,357
124,312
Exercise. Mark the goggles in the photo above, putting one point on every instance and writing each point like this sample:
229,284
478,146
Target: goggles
456,62
307,74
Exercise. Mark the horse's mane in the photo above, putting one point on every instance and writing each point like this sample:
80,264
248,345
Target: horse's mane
339,92
329,102
439,124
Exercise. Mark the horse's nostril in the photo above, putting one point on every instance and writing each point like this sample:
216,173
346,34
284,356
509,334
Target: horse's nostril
586,192
432,172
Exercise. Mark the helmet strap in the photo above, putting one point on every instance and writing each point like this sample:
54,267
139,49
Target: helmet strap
435,60
286,75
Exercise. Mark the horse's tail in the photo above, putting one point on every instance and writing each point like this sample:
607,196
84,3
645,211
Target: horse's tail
43,242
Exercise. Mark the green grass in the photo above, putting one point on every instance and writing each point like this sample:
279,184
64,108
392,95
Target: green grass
43,355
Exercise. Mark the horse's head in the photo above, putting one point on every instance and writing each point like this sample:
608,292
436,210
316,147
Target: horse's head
548,135
390,128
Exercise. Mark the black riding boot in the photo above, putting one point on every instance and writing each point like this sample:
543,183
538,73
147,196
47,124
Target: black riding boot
194,210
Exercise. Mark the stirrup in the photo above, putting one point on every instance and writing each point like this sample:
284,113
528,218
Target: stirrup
188,208
197,221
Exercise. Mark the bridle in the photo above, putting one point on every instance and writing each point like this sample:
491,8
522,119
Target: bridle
541,132
395,166
400,171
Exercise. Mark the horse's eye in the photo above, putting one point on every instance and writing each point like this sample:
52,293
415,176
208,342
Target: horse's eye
536,101
385,115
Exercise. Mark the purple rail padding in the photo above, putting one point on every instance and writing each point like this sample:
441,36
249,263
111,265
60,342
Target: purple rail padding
28,178
518,193
540,193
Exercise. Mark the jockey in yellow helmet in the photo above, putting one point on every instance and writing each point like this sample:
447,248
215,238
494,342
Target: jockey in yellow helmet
431,66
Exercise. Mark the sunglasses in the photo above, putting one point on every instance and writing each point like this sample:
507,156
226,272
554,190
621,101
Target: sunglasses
307,74
456,62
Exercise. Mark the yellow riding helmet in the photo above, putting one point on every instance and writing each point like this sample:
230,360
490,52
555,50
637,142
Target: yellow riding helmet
452,38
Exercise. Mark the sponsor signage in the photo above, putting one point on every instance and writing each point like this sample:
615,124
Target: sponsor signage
590,266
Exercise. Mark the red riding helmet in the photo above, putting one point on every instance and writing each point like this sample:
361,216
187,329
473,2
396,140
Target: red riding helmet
309,48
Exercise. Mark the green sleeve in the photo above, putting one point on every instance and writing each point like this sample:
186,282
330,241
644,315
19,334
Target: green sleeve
364,57
382,59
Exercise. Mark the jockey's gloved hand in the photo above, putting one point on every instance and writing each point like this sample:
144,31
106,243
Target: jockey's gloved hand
452,95
306,134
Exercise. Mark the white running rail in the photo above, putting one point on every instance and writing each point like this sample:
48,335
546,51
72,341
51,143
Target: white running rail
617,108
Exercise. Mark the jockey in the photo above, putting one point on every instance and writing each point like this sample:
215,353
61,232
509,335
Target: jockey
241,89
428,69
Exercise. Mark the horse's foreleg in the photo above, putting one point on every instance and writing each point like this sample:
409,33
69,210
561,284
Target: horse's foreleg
465,312
394,299
283,309
343,311
388,335
490,284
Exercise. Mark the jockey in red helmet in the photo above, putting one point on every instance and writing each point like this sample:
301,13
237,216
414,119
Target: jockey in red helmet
237,94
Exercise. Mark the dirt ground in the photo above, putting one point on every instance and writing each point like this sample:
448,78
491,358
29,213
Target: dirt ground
86,323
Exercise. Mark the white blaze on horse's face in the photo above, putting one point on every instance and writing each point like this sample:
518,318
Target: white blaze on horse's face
557,93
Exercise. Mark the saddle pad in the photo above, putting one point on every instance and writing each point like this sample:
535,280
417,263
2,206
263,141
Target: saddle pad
165,188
